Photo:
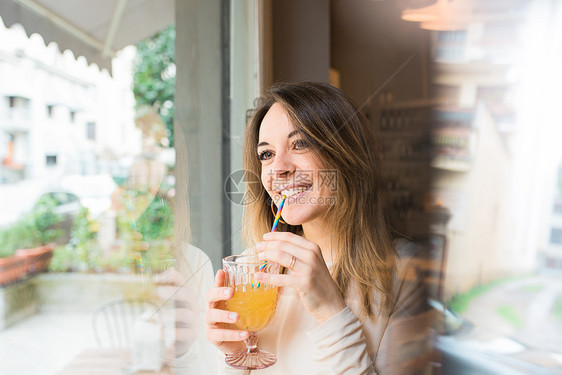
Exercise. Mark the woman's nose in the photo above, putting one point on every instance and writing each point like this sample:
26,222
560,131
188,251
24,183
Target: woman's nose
282,165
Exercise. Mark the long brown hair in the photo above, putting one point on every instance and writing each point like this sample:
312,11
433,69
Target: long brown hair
361,224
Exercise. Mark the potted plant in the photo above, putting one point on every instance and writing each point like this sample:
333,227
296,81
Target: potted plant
36,259
44,221
26,246
12,266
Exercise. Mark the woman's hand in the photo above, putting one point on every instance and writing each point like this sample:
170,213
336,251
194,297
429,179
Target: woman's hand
217,319
310,276
171,285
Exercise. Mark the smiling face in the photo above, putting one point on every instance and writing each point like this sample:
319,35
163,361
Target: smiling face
288,167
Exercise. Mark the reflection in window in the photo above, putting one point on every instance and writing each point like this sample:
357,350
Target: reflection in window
91,131
51,160
556,236
18,108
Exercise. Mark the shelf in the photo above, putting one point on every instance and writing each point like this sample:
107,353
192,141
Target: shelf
451,164
414,104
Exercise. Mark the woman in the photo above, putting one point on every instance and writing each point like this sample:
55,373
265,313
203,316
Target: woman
310,142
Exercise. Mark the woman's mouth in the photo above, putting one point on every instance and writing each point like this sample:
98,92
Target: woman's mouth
295,192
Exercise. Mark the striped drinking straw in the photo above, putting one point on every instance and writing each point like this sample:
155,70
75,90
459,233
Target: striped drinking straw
274,227
278,215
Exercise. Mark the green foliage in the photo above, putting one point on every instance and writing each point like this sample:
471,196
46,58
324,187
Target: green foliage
63,259
84,229
157,221
120,259
17,236
34,229
533,288
81,252
557,308
158,258
460,302
45,220
154,77
156,225
83,240
509,313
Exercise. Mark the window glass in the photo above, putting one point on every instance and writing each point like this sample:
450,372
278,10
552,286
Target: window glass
86,190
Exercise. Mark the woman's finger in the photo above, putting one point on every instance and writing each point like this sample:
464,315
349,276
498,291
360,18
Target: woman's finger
219,278
220,335
284,258
277,279
274,249
290,237
214,316
218,294
281,245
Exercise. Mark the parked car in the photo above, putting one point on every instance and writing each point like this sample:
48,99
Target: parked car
20,199
67,207
94,191
464,351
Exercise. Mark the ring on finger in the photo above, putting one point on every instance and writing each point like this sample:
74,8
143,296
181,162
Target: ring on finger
292,264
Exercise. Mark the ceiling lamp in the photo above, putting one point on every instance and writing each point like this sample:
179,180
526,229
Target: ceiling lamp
425,14
456,15
446,15
443,26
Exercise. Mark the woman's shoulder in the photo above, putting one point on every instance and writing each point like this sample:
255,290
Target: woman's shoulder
194,264
409,286
406,343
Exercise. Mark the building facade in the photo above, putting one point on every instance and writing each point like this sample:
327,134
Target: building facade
59,115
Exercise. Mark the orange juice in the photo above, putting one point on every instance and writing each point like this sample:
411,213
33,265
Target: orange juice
254,305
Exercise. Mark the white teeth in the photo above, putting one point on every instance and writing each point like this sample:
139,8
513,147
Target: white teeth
294,191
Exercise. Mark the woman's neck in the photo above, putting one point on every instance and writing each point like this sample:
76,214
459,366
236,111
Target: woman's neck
318,233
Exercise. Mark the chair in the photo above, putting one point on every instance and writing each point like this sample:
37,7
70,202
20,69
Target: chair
113,322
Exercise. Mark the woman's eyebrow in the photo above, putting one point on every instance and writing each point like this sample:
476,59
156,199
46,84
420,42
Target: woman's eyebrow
291,134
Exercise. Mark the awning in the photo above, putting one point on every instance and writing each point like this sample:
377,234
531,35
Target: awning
95,29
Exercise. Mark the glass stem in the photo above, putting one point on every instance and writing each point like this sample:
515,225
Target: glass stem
252,343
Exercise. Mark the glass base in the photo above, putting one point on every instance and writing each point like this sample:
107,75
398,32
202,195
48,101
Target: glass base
251,360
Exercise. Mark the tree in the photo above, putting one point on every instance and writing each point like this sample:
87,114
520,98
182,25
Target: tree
154,79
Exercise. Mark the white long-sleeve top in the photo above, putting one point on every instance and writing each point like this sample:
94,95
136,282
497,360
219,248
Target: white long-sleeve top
398,343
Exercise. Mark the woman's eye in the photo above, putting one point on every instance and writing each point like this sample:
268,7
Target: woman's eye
265,155
299,144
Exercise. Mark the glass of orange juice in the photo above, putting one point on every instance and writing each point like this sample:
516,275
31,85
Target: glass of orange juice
255,304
